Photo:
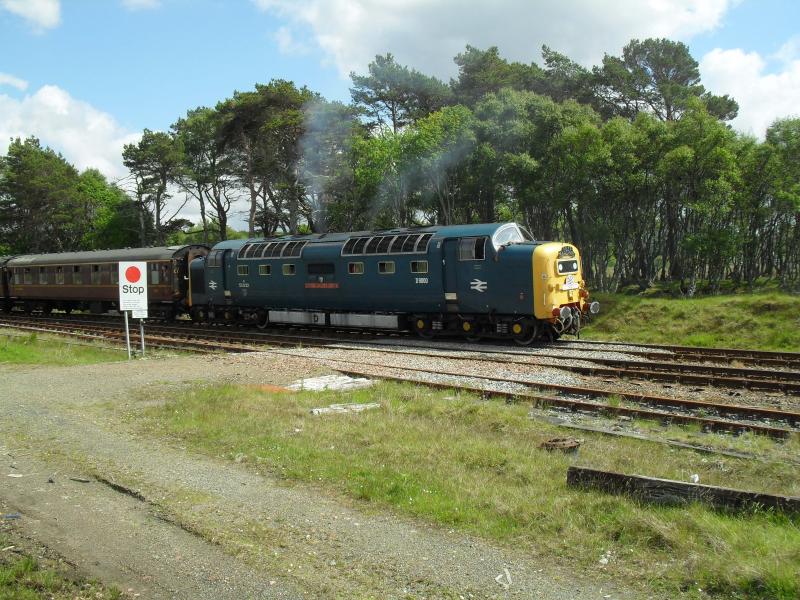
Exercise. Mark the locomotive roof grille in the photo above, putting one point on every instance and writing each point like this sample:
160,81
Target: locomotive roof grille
415,243
262,250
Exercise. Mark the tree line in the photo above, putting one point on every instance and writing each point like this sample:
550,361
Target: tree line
632,160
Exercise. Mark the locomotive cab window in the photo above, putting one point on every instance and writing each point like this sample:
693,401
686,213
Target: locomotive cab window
567,266
386,267
243,270
472,249
288,269
355,268
265,270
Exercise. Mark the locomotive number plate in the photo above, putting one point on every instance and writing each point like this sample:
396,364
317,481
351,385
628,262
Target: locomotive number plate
570,283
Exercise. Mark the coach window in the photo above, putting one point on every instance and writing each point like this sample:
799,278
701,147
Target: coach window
243,270
288,269
154,274
419,266
27,276
265,269
386,267
471,248
355,268
42,276
115,274
77,276
95,274
59,275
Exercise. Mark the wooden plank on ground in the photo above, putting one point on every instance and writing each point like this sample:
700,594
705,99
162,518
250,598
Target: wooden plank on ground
668,491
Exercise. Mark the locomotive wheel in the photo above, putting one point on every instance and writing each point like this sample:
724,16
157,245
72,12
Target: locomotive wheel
525,335
421,327
470,331
263,319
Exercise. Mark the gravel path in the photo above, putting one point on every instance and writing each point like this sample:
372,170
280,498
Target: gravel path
191,514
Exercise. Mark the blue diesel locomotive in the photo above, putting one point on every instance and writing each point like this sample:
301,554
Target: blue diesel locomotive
489,280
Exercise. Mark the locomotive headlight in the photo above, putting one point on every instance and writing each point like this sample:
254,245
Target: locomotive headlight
565,312
594,307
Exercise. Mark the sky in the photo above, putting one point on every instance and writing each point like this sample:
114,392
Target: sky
86,76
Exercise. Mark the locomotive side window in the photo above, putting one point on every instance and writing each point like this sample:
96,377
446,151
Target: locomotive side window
419,266
42,276
60,275
386,267
472,249
243,270
265,269
355,268
321,269
288,269
567,266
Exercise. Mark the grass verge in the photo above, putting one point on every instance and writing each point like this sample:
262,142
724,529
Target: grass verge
35,349
766,321
23,577
460,462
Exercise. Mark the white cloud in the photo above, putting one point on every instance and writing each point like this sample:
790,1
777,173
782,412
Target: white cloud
762,96
20,84
427,34
86,136
141,4
288,44
41,14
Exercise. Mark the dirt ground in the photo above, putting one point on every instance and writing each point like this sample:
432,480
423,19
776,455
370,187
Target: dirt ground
160,522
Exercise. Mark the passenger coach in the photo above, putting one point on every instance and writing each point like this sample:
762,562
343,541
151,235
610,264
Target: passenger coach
89,280
477,281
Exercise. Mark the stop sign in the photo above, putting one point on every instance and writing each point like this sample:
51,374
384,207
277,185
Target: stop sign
133,286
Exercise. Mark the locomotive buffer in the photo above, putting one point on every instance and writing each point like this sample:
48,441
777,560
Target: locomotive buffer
133,297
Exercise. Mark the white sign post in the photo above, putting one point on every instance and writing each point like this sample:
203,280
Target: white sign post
133,296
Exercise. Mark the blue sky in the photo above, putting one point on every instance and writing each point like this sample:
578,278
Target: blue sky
87,76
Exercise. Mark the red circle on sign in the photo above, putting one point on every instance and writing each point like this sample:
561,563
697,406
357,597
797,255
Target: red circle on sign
133,274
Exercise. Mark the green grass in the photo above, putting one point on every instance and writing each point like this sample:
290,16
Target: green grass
766,321
34,350
22,577
474,465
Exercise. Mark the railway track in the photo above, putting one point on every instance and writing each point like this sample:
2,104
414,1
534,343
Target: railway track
581,398
662,371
